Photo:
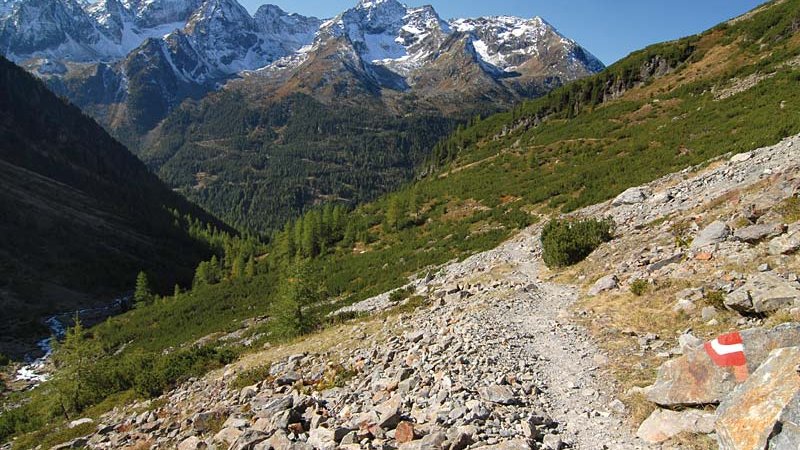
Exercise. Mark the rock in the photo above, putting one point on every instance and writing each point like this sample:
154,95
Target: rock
75,443
461,441
631,196
787,244
789,424
501,395
674,259
708,313
192,443
748,418
551,442
79,422
516,444
664,424
704,256
741,157
694,379
757,233
404,432
432,441
689,342
249,439
227,435
713,234
606,283
278,441
415,336
763,293
389,413
764,267
322,438
289,378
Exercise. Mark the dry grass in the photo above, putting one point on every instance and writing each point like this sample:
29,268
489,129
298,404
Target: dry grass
639,407
694,441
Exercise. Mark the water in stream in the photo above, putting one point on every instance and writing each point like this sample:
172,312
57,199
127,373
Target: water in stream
36,369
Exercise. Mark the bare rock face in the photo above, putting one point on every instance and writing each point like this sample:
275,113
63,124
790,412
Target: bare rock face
632,196
788,243
754,234
789,436
763,293
695,379
692,379
664,424
713,234
748,419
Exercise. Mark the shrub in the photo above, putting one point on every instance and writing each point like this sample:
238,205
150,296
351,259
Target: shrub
251,376
715,299
568,242
639,287
400,294
4,360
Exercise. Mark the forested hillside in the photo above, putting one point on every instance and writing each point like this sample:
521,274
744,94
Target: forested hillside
81,215
257,164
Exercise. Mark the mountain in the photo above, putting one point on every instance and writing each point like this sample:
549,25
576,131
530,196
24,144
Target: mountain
305,88
81,214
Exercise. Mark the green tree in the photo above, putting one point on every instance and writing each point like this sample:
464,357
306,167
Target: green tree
250,268
73,381
142,295
394,214
201,275
298,290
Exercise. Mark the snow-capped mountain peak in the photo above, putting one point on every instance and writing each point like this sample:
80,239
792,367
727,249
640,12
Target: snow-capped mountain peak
506,42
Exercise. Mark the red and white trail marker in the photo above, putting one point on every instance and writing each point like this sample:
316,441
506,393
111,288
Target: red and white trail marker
727,350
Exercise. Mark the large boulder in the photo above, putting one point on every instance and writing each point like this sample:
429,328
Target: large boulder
749,418
757,233
664,424
632,196
696,379
604,284
764,293
788,243
713,234
789,435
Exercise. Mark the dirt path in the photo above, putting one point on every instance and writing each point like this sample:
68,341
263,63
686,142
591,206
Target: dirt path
535,325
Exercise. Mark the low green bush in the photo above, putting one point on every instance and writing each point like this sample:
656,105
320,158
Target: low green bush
399,295
568,242
639,287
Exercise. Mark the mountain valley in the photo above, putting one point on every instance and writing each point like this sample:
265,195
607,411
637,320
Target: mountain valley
450,243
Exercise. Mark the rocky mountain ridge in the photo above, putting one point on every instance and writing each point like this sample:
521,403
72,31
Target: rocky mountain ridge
187,48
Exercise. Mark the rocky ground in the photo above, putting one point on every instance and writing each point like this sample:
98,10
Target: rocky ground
503,353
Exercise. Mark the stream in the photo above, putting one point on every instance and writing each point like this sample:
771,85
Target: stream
37,368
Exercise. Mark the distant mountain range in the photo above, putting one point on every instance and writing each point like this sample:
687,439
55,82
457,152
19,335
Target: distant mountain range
113,57
143,68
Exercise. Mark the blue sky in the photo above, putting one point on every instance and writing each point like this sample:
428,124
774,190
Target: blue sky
610,29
